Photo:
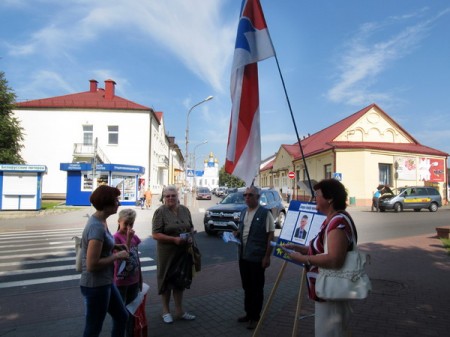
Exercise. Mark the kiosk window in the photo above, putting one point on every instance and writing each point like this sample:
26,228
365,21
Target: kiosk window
86,181
126,185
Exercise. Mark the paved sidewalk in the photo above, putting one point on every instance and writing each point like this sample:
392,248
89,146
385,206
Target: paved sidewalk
411,294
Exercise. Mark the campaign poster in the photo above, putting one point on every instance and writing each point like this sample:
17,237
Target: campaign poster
301,225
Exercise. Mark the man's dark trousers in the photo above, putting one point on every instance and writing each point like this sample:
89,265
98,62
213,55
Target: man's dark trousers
252,277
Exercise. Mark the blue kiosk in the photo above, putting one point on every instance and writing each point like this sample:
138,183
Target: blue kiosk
21,186
81,182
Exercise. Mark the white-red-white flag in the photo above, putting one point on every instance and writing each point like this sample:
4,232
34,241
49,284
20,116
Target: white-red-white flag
253,44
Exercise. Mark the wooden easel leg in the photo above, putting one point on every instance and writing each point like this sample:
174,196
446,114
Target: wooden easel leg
269,300
301,293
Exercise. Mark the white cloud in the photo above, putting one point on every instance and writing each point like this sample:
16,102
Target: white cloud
44,81
369,53
192,31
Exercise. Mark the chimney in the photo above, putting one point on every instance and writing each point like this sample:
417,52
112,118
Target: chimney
109,89
93,86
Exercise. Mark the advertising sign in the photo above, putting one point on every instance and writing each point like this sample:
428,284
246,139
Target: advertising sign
406,168
431,170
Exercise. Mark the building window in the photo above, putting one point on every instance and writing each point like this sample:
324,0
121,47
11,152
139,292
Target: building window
327,171
113,134
88,134
384,174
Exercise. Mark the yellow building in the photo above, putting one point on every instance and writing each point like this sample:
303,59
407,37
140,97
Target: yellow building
363,150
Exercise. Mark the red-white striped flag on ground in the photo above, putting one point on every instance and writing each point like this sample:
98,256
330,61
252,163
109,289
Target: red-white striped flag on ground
253,44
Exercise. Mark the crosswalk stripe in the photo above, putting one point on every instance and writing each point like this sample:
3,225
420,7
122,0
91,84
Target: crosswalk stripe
45,255
60,259
22,263
49,269
11,252
43,231
23,283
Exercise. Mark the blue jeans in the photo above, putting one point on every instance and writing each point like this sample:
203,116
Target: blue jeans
99,301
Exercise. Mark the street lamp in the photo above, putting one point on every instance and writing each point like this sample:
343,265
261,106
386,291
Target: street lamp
195,160
187,142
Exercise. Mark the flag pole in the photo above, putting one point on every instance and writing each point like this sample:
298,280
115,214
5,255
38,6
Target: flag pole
295,127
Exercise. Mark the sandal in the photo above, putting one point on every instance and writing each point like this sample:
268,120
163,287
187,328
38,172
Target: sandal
187,316
167,318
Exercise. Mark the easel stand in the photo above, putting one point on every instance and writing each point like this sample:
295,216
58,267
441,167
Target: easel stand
272,293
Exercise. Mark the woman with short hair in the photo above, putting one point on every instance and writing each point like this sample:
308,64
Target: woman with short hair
331,317
98,254
169,221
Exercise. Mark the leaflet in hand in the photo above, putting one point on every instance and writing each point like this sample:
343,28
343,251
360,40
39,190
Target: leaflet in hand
229,237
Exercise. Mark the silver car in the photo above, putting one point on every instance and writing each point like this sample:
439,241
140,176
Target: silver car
411,197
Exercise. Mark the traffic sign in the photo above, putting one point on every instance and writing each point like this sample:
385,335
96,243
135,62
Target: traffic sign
337,176
291,175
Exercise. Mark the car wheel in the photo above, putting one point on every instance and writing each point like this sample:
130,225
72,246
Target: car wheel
416,209
398,207
433,207
382,209
280,220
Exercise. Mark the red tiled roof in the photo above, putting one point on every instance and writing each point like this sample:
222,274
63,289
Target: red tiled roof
84,100
158,115
268,166
323,140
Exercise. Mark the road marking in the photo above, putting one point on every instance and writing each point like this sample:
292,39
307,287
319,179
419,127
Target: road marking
24,283
21,263
45,269
43,231
36,237
10,252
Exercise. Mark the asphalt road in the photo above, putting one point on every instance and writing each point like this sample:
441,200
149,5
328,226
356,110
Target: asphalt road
25,239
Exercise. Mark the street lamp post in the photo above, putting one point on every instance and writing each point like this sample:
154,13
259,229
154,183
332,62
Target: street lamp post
187,144
195,160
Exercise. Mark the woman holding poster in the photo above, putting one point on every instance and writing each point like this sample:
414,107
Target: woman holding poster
331,317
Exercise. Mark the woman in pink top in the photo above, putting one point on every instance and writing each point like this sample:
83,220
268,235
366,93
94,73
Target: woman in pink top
127,273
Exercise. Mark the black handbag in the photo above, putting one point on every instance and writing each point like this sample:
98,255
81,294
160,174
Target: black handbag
179,275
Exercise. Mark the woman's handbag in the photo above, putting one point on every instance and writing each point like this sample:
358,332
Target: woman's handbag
196,255
179,274
348,283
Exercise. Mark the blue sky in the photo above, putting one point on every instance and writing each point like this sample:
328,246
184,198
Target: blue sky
336,57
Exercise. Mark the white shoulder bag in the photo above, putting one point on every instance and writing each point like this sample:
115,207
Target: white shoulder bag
77,253
348,283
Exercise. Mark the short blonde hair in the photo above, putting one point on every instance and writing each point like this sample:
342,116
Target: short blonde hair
128,214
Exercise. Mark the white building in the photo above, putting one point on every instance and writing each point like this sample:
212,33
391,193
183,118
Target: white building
96,124
209,177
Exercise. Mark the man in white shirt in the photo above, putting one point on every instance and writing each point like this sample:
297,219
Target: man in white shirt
256,231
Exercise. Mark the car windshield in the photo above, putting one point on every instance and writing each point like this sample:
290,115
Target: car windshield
234,198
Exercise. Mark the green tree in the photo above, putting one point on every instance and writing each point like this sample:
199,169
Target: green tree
226,179
11,133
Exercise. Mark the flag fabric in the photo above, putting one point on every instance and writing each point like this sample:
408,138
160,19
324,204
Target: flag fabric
253,44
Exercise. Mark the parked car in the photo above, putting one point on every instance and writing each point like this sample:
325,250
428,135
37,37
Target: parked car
225,216
203,193
411,197
221,191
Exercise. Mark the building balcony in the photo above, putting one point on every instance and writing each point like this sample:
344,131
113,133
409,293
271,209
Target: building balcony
83,152
163,161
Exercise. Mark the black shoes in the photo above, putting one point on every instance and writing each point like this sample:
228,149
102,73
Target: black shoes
252,325
243,319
